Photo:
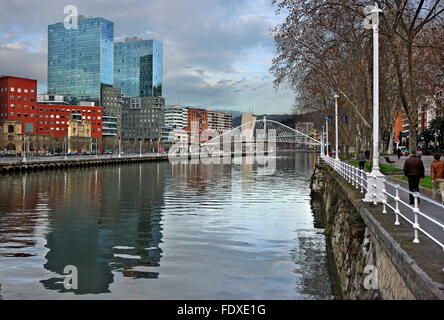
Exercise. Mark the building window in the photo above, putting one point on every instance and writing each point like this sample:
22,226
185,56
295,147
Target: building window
29,127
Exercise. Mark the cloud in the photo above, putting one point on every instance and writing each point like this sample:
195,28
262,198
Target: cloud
209,45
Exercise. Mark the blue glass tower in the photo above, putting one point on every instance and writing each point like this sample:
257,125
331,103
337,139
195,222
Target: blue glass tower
138,67
80,60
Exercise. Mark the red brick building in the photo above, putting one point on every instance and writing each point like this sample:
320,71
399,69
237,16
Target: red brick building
18,101
53,119
197,117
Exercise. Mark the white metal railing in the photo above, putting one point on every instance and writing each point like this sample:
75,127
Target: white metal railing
429,222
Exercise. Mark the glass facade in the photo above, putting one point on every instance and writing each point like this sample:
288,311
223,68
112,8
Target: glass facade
80,60
138,67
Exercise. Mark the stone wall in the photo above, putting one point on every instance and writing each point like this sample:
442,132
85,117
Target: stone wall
357,240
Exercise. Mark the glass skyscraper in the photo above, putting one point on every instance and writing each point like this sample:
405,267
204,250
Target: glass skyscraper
80,60
138,67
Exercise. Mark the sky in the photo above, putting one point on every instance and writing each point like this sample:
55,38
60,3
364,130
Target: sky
217,53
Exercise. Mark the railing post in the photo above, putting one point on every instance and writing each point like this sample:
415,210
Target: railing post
356,178
397,212
384,200
416,211
375,200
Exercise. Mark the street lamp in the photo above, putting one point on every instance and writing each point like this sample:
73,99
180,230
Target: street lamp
375,178
24,148
323,141
119,148
336,123
326,126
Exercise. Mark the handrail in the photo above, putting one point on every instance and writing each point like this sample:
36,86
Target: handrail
392,200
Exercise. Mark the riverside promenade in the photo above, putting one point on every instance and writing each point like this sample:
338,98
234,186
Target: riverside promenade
11,165
399,163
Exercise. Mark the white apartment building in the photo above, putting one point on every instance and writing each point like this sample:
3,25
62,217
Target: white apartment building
219,121
176,116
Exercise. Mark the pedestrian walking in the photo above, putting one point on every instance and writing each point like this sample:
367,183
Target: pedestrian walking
414,171
419,153
398,153
362,160
437,174
367,154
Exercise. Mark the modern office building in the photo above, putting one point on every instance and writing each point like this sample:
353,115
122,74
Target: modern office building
109,126
18,102
80,60
176,116
112,107
138,67
143,118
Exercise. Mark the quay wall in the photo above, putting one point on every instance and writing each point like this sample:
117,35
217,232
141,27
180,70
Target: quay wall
59,164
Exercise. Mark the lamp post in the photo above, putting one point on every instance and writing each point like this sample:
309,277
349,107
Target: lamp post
322,141
326,134
65,148
337,125
24,148
375,178
119,148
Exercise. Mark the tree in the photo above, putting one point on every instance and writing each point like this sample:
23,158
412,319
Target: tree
322,48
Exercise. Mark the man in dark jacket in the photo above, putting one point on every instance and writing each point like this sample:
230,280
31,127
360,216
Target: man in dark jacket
414,171
362,160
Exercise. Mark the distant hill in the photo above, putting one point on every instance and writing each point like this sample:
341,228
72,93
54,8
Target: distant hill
233,113
286,119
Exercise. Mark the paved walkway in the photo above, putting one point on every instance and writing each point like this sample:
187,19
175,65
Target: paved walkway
427,160
427,207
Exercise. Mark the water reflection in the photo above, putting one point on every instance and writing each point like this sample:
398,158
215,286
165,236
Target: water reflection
160,231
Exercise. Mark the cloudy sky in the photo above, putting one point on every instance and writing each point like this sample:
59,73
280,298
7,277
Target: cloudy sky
217,53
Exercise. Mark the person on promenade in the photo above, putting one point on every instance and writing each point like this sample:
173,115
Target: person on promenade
414,171
362,160
437,174
398,153
419,153
367,154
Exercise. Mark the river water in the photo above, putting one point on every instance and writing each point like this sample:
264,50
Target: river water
158,231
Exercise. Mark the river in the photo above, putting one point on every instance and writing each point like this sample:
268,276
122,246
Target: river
158,231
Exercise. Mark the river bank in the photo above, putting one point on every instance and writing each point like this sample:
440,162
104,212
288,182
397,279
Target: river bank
373,259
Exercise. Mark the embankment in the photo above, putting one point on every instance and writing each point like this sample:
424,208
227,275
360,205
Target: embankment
365,245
